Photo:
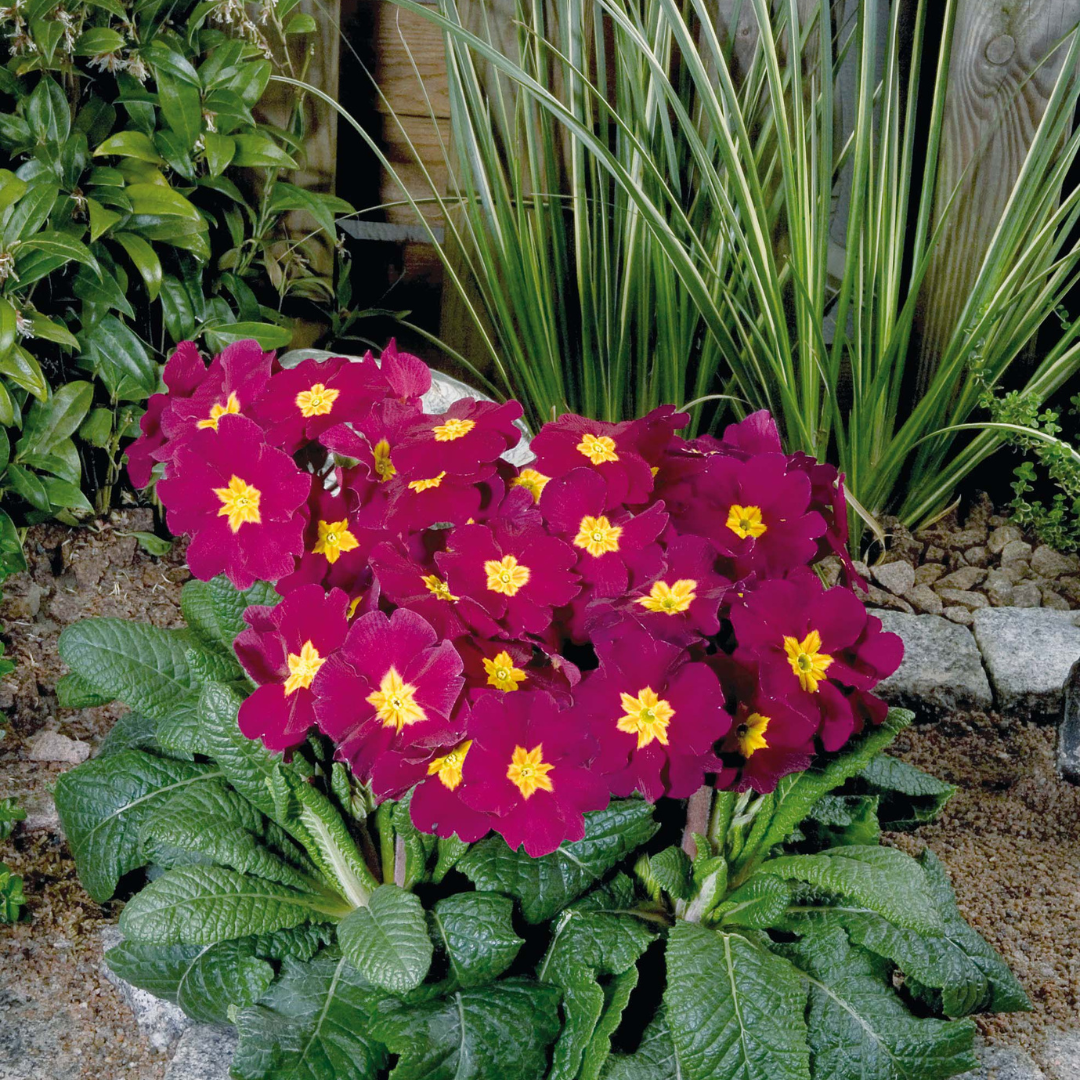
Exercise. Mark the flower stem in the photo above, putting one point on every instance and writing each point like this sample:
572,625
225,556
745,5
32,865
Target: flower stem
698,807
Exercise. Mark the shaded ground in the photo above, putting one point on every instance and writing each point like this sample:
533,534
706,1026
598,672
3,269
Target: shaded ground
59,1018
1010,839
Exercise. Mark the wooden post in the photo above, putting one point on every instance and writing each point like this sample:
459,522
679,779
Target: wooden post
992,110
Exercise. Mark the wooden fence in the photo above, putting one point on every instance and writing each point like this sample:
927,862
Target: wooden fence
1006,56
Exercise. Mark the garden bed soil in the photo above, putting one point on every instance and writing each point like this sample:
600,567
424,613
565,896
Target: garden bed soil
1010,838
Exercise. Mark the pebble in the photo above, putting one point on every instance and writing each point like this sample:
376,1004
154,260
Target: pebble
1027,595
1002,535
970,600
897,577
934,553
52,746
1015,551
41,815
965,578
977,556
883,599
928,573
1051,564
1054,601
923,598
961,615
1028,655
998,588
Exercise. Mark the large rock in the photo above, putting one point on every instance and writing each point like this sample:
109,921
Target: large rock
1061,1055
204,1052
1069,732
1028,653
941,671
162,1022
1004,1063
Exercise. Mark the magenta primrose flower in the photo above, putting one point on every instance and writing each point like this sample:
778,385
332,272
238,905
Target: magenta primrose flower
283,651
299,404
387,697
508,647
655,714
240,500
528,766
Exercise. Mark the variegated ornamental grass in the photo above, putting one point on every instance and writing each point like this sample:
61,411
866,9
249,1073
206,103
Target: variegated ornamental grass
466,769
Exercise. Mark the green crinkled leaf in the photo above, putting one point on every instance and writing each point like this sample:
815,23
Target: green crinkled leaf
617,991
103,804
387,940
883,879
476,931
203,980
182,731
418,846
672,871
313,1024
74,692
797,793
1006,993
909,797
735,1009
860,1029
655,1058
546,885
132,731
222,837
448,853
497,1032
840,820
144,666
582,1006
201,905
214,610
757,904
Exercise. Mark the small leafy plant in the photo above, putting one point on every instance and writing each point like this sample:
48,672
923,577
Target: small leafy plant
465,768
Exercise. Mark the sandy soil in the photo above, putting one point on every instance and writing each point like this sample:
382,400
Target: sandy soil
1010,839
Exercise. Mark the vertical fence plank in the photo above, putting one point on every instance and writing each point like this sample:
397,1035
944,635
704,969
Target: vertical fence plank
997,94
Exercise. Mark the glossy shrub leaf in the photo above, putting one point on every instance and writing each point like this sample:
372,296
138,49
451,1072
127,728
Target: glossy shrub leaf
12,559
201,905
735,1009
546,885
48,113
30,487
220,150
387,940
144,257
23,370
313,1024
97,40
883,879
132,144
48,422
497,1032
181,105
858,1027
475,929
61,245
144,666
119,355
104,802
203,980
267,335
258,149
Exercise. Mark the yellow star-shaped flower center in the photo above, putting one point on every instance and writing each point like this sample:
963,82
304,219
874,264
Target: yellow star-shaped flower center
528,771
239,503
395,701
532,481
597,536
453,429
230,407
318,401
668,599
334,538
384,467
598,448
750,734
501,672
505,575
438,588
807,660
303,668
425,485
746,521
645,715
448,767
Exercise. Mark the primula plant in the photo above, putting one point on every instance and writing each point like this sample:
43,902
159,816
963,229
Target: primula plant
470,769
